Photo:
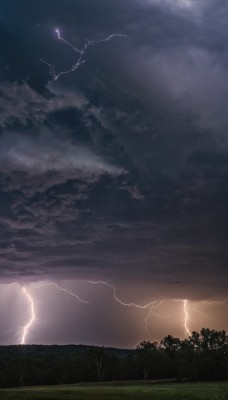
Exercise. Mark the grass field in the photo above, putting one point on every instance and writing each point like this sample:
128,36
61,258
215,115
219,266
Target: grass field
171,391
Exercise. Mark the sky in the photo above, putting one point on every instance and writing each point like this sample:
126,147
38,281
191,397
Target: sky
113,170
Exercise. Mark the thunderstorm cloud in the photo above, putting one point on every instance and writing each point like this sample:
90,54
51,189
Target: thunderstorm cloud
117,171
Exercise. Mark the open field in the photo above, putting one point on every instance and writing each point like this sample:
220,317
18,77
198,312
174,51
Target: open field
170,391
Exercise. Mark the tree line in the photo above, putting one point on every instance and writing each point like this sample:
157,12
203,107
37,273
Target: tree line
201,357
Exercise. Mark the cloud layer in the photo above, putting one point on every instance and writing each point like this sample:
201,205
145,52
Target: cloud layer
117,171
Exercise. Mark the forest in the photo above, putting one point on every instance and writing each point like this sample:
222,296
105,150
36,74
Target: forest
201,357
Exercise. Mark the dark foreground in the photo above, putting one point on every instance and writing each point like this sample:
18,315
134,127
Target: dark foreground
171,391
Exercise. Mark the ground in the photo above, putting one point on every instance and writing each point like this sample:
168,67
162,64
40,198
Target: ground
165,391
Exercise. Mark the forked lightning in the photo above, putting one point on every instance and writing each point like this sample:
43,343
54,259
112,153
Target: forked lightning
81,53
149,307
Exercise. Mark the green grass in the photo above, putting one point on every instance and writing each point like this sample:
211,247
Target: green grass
165,391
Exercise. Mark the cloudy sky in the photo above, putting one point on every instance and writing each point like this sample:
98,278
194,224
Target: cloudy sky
114,172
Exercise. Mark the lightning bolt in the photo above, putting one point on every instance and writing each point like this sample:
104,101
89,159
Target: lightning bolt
81,53
61,289
186,317
155,315
187,308
214,302
31,303
32,318
131,304
149,307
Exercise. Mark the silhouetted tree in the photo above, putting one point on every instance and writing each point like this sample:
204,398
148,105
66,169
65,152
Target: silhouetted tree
203,356
171,345
146,356
99,357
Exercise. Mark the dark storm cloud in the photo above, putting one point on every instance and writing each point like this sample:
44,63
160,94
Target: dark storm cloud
119,169
20,103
